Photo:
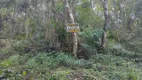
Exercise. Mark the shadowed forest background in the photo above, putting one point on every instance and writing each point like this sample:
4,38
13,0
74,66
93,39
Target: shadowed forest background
34,43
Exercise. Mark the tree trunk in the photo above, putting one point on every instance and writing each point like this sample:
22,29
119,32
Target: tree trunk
71,17
106,24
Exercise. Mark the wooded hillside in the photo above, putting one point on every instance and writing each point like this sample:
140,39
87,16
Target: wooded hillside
70,39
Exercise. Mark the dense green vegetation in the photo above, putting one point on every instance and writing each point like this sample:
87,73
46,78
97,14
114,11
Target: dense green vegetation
34,43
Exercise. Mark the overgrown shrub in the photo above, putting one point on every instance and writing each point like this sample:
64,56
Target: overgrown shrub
91,40
120,50
59,59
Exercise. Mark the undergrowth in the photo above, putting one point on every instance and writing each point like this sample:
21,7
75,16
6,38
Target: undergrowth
60,66
117,63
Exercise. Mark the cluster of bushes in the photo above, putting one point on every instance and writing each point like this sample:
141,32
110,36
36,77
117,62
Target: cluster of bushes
28,64
60,66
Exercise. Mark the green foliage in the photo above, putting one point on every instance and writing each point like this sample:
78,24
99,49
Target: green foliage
3,12
55,60
9,74
30,27
134,46
52,78
138,8
18,46
111,67
13,60
31,63
59,6
120,50
91,39
59,66
132,75
5,63
87,18
62,75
